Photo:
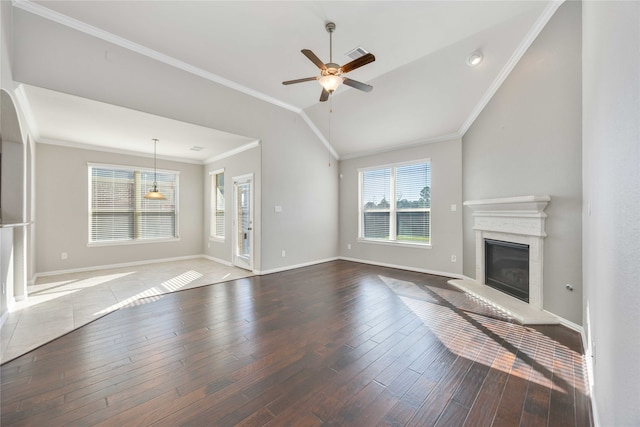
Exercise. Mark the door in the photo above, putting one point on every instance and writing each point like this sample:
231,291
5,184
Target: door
243,221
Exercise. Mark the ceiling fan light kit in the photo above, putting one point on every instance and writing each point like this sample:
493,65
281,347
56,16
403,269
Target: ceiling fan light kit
331,73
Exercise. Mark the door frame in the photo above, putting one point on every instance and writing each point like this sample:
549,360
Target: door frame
237,260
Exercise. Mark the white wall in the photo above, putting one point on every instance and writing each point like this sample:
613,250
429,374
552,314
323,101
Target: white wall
527,141
611,232
62,219
295,164
446,232
240,164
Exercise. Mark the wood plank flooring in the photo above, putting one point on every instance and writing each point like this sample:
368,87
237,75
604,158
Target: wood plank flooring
335,344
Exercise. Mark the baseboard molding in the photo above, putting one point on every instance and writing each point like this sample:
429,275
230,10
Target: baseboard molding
293,267
3,318
218,260
404,267
119,265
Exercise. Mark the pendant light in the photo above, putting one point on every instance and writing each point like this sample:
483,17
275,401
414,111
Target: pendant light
154,194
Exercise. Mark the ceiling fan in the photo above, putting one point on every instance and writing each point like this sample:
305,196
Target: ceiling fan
330,73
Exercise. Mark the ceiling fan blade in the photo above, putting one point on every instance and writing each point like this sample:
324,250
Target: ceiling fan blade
306,79
312,56
357,85
324,95
357,63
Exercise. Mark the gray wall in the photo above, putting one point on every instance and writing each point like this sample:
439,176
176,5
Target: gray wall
295,164
611,225
527,141
446,190
62,220
239,164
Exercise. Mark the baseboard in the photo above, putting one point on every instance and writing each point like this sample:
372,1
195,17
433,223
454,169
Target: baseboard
120,265
3,318
404,267
293,267
218,260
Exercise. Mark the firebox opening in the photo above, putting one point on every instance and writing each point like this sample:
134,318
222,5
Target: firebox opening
507,267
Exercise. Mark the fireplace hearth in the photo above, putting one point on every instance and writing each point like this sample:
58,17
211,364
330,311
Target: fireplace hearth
516,283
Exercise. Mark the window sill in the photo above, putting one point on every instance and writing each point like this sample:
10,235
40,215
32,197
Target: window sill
216,239
132,242
396,243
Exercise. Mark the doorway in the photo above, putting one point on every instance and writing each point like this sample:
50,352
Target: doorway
243,221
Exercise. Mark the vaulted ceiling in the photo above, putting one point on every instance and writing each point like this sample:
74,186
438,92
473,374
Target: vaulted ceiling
424,89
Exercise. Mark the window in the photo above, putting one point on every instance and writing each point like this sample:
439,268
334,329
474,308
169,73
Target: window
118,211
395,203
217,204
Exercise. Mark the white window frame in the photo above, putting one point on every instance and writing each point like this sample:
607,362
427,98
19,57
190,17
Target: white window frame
213,207
392,207
134,240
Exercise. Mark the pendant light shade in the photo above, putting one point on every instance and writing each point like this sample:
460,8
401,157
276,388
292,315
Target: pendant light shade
154,194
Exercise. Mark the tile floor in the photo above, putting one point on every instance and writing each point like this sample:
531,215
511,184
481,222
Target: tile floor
59,304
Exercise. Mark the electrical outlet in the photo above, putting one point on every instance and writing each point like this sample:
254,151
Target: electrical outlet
284,254
63,255
454,258
454,208
349,246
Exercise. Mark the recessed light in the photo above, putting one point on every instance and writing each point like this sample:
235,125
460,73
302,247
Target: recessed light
475,58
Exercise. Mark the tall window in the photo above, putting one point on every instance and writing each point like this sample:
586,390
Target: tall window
120,213
395,203
217,204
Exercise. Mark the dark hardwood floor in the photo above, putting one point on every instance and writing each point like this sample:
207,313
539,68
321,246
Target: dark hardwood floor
340,343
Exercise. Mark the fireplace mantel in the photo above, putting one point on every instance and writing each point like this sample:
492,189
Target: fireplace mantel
516,215
519,220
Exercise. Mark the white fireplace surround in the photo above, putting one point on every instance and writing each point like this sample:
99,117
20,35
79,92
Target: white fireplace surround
517,220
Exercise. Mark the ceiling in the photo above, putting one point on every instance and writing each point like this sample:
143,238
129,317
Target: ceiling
423,88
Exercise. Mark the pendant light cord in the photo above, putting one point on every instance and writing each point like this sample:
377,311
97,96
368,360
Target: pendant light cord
155,170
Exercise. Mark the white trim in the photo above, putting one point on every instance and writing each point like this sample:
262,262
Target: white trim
404,267
4,317
233,152
106,149
533,33
129,168
218,260
412,144
119,265
27,111
319,134
78,25
216,172
293,267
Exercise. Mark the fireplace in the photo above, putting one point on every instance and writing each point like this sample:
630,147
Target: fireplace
509,255
507,267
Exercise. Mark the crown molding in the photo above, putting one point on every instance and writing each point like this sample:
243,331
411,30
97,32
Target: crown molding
411,144
27,112
104,149
245,147
533,33
78,25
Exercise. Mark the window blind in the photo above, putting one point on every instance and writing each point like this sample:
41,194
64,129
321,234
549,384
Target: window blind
218,206
395,203
119,211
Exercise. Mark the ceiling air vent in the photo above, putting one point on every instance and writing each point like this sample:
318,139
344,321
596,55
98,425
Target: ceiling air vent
357,52
196,148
